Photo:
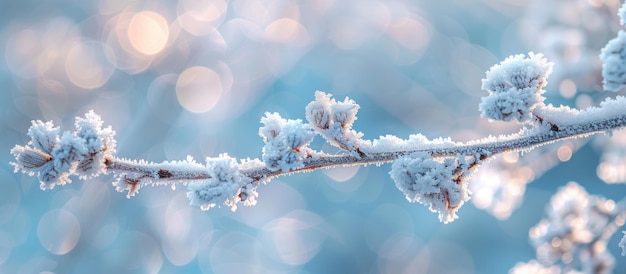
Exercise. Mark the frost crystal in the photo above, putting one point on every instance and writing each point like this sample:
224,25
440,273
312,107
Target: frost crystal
286,142
575,231
515,87
54,156
439,185
334,120
222,187
613,56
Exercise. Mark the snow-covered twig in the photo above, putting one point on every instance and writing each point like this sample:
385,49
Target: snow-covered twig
432,172
54,157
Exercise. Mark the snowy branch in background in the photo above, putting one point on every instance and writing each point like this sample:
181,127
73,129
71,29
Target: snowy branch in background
576,230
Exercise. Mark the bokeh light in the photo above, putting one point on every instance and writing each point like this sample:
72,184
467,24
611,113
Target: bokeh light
59,231
148,32
87,65
198,89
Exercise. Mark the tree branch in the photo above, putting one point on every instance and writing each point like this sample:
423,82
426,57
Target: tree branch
525,140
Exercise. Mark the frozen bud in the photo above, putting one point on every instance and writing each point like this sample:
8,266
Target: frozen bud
613,56
272,124
515,87
222,187
210,193
334,120
431,183
287,149
344,112
318,111
99,142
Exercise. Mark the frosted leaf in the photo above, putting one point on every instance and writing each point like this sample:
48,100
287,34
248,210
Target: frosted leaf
333,120
534,267
613,57
432,183
286,142
100,144
43,136
622,243
515,87
28,159
222,187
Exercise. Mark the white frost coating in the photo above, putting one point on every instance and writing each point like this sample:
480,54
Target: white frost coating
613,57
100,144
333,120
564,116
534,267
431,183
515,87
622,243
578,222
286,142
222,187
390,143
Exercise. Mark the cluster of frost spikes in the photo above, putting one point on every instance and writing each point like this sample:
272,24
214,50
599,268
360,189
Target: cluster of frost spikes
515,87
333,120
54,156
576,231
441,185
613,56
286,142
226,185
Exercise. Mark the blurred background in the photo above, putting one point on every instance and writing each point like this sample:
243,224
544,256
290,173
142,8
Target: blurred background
193,77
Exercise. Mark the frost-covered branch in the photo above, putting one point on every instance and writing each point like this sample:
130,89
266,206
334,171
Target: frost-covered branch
89,152
433,172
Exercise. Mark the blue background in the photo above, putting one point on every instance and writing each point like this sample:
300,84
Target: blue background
211,71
